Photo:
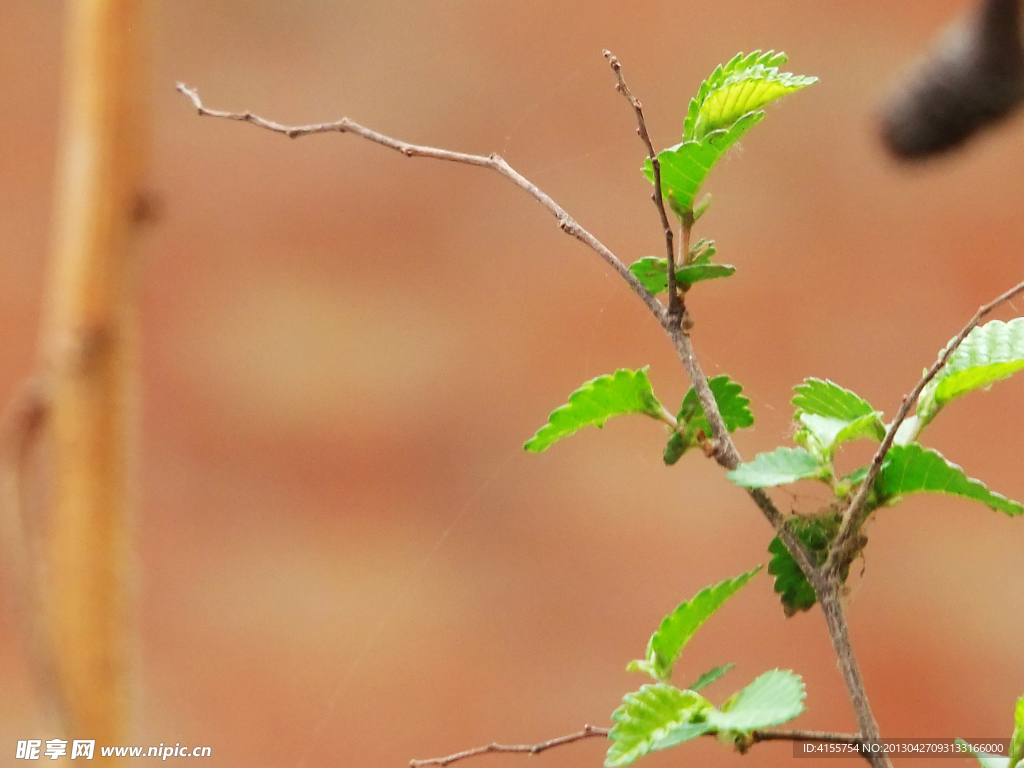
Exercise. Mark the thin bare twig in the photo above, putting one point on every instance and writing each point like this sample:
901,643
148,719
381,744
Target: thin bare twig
675,304
723,449
533,749
590,730
853,517
493,161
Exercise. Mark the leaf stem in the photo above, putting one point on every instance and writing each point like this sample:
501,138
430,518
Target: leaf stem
667,417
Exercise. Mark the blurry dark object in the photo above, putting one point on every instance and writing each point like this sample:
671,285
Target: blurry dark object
972,79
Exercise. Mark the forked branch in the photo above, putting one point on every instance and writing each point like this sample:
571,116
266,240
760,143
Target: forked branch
723,448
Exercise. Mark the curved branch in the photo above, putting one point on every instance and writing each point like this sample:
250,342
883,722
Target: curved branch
493,161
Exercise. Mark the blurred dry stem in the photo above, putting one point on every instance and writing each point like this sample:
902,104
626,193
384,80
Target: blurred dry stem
87,375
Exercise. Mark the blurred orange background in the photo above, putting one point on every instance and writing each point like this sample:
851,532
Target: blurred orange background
344,556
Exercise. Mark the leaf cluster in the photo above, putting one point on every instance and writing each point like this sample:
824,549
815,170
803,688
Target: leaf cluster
660,716
828,415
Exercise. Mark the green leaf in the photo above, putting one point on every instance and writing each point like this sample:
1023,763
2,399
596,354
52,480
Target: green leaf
732,404
702,251
826,398
597,401
828,415
701,206
727,106
695,273
780,467
746,83
986,760
1017,739
990,352
661,716
913,469
908,431
857,476
816,533
772,699
684,167
709,677
678,627
655,717
734,407
653,273
795,591
821,435
848,482
677,445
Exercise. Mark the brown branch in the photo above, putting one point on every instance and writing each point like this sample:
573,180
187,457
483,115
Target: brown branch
675,305
493,161
853,517
723,448
827,588
727,455
533,749
590,731
826,737
835,619
726,452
